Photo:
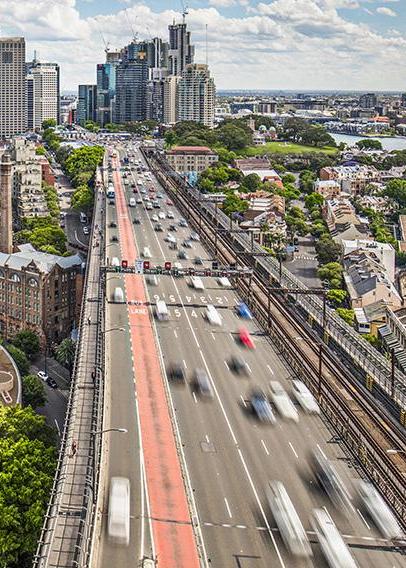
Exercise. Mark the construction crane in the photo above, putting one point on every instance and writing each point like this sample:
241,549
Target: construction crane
133,32
106,43
185,10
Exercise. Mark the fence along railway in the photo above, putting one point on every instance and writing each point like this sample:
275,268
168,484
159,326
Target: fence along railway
358,420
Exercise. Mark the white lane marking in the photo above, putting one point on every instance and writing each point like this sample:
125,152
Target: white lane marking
57,427
248,367
213,336
328,513
244,464
270,370
228,508
265,448
293,450
184,364
207,439
363,518
175,333
243,401
322,453
226,364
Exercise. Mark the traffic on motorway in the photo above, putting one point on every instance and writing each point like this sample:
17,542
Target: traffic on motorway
263,475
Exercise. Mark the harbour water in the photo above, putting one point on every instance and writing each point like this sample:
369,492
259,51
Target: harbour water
388,143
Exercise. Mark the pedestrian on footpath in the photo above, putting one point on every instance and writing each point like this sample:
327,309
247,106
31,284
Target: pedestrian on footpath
73,449
89,320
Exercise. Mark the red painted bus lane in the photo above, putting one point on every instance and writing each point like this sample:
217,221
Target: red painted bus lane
172,529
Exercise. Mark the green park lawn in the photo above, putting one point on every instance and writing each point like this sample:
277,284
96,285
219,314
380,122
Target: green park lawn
285,148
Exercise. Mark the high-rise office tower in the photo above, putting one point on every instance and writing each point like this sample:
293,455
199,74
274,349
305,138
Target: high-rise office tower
13,116
368,100
131,84
43,93
106,87
181,52
197,93
87,102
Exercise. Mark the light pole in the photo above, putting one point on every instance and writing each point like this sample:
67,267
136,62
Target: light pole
114,329
393,451
100,432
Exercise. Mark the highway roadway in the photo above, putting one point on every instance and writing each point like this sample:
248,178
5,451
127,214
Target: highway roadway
229,456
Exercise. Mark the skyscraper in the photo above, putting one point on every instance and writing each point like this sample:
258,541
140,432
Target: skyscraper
131,84
197,93
86,109
13,115
43,93
181,52
106,87
171,102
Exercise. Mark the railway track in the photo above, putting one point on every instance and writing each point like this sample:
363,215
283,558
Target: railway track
357,422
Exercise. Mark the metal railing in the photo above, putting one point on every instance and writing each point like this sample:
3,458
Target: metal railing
69,520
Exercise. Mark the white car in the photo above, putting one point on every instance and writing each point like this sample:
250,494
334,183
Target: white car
212,315
224,282
379,511
305,397
281,400
85,230
170,215
42,375
155,218
170,238
161,215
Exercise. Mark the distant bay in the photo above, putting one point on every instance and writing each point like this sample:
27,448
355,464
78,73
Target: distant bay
388,142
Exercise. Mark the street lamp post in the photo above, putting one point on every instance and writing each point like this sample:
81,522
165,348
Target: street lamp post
113,329
393,451
100,432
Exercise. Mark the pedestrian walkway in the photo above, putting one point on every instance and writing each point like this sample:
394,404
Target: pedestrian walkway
66,534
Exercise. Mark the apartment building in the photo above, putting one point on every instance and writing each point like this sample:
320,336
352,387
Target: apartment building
197,94
43,98
343,222
28,196
352,179
381,252
40,292
328,188
186,159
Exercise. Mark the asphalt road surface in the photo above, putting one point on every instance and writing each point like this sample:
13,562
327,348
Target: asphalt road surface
230,457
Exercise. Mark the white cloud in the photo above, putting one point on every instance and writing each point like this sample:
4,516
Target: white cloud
222,3
297,44
384,11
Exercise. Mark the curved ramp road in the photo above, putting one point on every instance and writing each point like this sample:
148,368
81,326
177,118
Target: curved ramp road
171,522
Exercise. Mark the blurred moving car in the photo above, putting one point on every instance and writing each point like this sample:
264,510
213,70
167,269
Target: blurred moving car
118,524
262,407
245,338
238,366
334,549
305,397
243,311
380,512
42,375
176,373
194,236
330,481
212,315
198,260
182,255
152,280
203,383
281,400
292,532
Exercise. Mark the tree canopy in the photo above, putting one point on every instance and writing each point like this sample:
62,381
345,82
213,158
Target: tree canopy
19,357
27,466
65,353
27,341
33,391
328,250
369,144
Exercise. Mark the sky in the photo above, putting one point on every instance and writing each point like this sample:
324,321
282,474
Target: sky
252,44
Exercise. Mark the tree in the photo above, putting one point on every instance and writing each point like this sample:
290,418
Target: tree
82,198
233,204
288,178
170,138
336,296
369,144
20,359
48,123
40,151
65,353
234,136
346,314
396,189
313,200
372,339
33,391
332,271
27,466
328,250
206,185
27,341
45,236
251,183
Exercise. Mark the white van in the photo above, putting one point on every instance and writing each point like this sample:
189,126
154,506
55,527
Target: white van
118,295
132,202
161,311
213,317
146,253
118,525
115,261
224,282
196,283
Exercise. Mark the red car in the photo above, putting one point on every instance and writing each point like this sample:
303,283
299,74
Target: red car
169,202
245,338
